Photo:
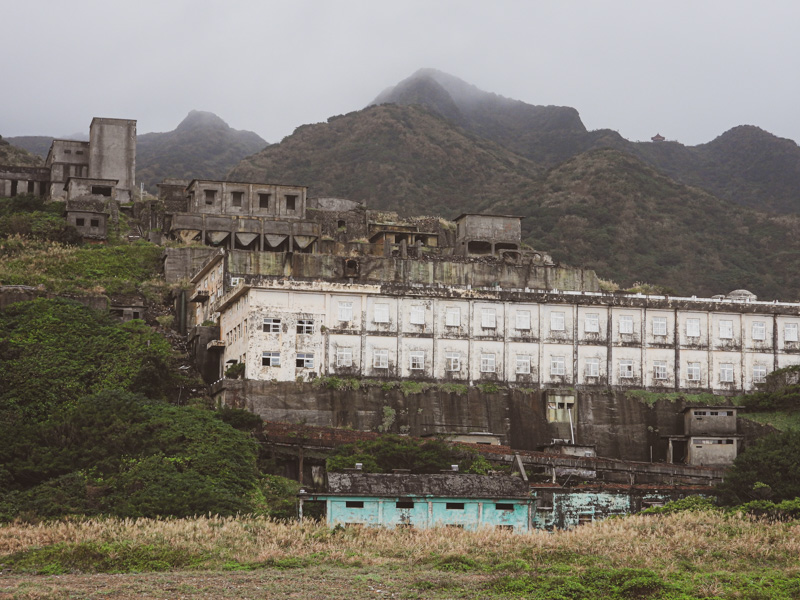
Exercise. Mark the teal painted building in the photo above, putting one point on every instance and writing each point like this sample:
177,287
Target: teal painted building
424,501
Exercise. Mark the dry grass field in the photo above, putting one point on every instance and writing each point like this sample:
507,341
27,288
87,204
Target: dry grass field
687,555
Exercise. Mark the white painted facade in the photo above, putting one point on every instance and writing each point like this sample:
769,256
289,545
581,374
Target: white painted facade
287,330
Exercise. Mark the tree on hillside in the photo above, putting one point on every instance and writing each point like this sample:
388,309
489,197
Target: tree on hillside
769,470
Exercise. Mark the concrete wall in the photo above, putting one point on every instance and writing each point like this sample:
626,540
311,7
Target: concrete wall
618,426
112,147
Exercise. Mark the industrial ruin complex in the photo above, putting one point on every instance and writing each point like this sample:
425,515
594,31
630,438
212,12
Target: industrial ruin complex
303,294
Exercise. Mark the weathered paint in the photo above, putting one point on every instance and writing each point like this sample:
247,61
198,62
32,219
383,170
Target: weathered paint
428,512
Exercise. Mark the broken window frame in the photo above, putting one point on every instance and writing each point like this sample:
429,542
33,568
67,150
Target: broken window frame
452,361
726,373
271,325
488,363
304,360
558,366
380,358
523,365
592,367
305,326
270,359
416,360
693,371
344,357
625,368
660,370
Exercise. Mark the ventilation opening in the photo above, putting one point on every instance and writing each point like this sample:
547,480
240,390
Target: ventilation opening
404,504
480,248
455,506
354,504
101,190
504,506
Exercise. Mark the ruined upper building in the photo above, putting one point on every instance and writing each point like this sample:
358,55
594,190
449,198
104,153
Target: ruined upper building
104,166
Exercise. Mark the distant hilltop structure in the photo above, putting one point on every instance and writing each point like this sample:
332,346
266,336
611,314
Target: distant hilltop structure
657,138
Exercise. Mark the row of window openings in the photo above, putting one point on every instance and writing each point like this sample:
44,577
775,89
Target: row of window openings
488,364
92,222
558,322
263,199
70,151
404,504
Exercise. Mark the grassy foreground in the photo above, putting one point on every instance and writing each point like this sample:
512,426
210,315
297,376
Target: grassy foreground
687,555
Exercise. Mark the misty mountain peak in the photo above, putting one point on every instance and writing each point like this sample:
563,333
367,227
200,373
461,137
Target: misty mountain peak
200,119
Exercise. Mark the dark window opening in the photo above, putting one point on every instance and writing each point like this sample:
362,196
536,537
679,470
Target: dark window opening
341,225
454,526
78,151
80,222
94,222
404,504
504,506
584,519
67,151
454,506
354,504
481,248
263,200
210,196
236,198
14,188
351,268
290,202
30,187
136,314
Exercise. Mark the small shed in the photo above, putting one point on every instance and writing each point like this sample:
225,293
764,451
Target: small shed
425,501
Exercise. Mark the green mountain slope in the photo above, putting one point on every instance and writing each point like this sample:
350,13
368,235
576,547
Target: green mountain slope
609,211
16,156
203,146
746,165
396,158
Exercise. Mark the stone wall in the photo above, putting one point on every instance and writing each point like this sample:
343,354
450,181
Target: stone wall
618,425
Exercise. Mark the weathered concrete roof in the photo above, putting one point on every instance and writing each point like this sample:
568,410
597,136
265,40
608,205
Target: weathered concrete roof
444,485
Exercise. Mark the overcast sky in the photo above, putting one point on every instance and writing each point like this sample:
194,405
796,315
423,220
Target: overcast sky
687,69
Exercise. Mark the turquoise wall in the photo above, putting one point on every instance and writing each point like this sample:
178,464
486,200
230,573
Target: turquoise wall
428,512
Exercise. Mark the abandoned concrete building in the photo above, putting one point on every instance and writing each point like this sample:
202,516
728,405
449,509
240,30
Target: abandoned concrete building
283,330
106,162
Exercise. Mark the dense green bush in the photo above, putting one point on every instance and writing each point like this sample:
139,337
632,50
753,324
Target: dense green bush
122,454
768,470
55,351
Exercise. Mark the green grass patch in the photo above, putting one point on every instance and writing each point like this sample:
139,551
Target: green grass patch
91,557
650,398
779,419
68,269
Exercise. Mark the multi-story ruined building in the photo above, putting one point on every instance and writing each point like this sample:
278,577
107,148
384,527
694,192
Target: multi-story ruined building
106,163
284,330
